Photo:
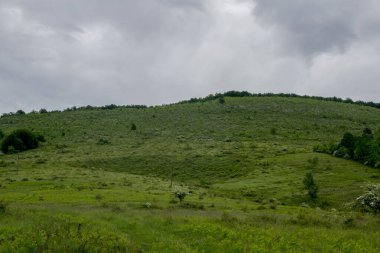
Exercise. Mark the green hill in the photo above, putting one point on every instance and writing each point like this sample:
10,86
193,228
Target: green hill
242,163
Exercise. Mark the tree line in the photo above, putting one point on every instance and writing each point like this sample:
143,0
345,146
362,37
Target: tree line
211,97
289,95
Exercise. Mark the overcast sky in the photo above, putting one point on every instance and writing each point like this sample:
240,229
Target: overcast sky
59,53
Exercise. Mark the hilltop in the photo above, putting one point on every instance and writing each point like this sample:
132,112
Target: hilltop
241,162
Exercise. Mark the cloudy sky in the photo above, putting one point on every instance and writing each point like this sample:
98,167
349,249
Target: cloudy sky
59,53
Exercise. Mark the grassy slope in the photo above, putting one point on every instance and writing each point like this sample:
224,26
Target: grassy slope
234,158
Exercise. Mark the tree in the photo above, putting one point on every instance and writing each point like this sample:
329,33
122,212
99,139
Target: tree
20,112
43,110
310,185
1,134
348,141
222,100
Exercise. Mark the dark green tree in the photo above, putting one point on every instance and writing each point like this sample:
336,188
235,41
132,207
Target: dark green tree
20,112
10,143
348,141
43,110
20,140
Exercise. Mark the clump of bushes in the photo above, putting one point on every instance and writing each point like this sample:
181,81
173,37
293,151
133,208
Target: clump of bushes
364,148
20,140
369,201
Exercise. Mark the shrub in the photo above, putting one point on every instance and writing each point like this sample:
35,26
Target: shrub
20,140
310,185
222,100
20,112
180,195
1,134
147,205
370,201
133,127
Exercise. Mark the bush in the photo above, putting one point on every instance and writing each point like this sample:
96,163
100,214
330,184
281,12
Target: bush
133,127
180,195
310,185
370,201
20,140
1,134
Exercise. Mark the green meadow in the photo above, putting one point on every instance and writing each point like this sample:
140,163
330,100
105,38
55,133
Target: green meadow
95,185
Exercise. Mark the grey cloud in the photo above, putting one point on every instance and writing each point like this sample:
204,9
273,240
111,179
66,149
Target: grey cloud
312,27
60,53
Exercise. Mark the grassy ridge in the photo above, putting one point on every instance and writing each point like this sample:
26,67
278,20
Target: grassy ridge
242,161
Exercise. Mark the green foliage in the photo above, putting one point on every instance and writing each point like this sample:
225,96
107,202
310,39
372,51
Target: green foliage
364,148
20,112
1,134
133,127
348,141
222,101
180,195
370,201
310,185
43,110
20,140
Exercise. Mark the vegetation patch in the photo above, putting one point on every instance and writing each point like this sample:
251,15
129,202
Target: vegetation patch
20,140
364,148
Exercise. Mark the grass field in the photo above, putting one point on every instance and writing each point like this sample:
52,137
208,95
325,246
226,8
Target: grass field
98,186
